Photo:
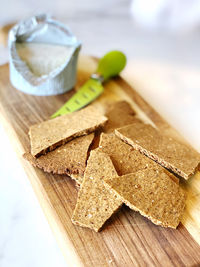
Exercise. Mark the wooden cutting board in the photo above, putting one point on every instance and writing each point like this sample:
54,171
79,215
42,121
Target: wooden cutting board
128,239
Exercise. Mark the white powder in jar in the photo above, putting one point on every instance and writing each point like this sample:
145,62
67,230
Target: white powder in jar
43,58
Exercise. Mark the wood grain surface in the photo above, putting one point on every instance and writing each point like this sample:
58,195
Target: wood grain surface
127,239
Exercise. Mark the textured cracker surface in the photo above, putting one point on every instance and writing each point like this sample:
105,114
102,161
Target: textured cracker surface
95,203
78,178
119,114
152,193
67,159
48,135
124,157
170,153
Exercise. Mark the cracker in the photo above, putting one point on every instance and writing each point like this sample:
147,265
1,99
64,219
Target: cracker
95,203
119,114
78,178
152,193
48,135
170,153
67,159
124,157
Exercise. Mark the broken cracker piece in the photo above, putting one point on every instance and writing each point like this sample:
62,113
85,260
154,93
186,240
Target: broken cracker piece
170,153
95,203
48,135
119,114
67,159
152,193
124,157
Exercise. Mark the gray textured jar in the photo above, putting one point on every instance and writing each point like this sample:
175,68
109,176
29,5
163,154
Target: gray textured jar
42,29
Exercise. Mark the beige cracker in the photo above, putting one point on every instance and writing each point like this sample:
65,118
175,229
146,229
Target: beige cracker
119,114
48,135
67,159
152,193
95,203
170,153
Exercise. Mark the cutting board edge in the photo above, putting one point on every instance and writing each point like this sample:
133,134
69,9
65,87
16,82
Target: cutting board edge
42,197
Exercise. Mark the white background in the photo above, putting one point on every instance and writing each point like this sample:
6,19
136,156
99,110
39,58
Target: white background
163,66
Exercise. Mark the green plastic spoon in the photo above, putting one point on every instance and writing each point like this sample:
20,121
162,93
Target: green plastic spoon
109,66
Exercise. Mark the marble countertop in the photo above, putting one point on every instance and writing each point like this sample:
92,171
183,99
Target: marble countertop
171,67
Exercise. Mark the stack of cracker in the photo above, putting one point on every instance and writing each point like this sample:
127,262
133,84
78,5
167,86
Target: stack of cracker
61,145
132,164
